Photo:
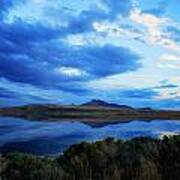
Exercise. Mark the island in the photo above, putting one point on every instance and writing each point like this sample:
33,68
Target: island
93,111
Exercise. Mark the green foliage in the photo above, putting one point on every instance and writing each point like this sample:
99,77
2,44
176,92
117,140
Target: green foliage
28,167
136,159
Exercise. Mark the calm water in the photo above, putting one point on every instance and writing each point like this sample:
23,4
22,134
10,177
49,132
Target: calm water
54,137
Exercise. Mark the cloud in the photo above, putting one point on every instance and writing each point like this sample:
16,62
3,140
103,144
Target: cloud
170,61
151,22
84,21
34,54
174,32
170,57
166,86
169,95
94,59
5,5
116,29
156,27
141,26
58,13
168,90
139,93
23,93
7,94
23,33
64,47
70,72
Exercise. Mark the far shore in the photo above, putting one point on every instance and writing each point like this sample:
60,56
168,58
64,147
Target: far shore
87,113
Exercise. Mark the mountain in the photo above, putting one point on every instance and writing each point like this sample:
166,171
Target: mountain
100,103
146,109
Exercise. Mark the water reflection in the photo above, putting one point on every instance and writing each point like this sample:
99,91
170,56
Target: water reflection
53,137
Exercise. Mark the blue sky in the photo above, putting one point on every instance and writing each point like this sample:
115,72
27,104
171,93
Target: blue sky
64,51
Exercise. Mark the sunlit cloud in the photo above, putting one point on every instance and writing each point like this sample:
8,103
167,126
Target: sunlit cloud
70,71
155,29
170,57
170,61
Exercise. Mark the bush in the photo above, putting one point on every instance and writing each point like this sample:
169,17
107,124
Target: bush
136,159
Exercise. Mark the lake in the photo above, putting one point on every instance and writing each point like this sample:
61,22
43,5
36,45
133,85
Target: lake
49,138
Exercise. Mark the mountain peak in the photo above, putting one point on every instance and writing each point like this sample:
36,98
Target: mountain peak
101,103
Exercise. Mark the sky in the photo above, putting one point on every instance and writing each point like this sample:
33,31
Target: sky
69,52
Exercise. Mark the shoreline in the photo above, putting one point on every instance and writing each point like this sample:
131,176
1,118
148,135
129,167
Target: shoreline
86,114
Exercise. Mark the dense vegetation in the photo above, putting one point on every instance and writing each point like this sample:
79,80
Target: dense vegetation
136,159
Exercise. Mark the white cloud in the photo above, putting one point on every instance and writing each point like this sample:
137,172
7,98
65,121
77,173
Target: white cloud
84,39
124,81
169,66
25,90
149,21
109,28
77,40
115,30
175,80
169,61
170,93
143,26
146,19
155,29
70,71
170,57
165,95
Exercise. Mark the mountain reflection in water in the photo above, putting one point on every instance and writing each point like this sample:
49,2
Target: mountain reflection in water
44,138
